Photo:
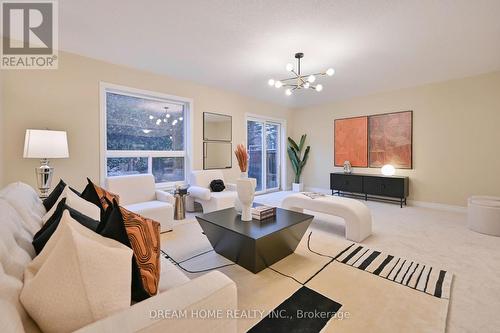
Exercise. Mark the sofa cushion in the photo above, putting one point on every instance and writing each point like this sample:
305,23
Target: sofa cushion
226,198
50,201
78,278
133,188
171,276
24,199
9,317
48,229
158,211
75,202
16,253
143,236
203,178
11,307
147,206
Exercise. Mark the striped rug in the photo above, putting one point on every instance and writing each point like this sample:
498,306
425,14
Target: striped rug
418,276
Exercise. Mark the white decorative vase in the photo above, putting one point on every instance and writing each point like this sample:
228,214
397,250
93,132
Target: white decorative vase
297,187
246,191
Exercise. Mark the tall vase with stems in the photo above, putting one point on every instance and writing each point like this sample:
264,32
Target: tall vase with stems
245,186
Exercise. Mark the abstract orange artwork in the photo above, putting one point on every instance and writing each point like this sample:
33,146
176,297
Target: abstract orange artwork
391,140
351,141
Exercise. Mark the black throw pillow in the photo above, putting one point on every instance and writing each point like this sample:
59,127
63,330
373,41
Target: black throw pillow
54,195
90,194
105,216
43,235
114,228
217,185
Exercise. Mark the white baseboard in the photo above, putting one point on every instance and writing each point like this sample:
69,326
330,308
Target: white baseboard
414,203
440,206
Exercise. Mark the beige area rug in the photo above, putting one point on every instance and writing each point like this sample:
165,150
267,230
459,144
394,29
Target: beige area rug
370,303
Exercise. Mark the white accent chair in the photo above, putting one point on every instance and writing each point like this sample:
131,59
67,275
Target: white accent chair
139,195
199,191
357,216
483,214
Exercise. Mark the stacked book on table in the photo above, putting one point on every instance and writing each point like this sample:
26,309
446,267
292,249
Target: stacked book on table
263,212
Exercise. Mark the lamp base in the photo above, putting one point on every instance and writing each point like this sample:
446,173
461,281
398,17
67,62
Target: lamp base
44,177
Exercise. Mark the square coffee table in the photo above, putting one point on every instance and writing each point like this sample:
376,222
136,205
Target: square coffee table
255,244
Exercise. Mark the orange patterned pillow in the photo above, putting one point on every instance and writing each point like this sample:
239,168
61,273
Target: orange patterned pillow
103,195
144,236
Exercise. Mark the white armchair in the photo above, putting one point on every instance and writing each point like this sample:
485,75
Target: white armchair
139,195
199,191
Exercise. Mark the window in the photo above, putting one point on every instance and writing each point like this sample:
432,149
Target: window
263,144
144,132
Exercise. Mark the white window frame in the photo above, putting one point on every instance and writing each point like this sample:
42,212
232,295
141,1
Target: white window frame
105,87
282,147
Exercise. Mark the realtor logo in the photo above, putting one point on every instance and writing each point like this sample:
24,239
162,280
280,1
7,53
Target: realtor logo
29,30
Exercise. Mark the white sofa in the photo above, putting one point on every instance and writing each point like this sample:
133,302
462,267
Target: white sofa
138,194
199,191
20,219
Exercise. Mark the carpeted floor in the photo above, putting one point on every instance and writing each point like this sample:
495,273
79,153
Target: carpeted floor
438,238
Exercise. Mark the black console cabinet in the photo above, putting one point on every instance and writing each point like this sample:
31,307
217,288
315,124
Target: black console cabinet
386,188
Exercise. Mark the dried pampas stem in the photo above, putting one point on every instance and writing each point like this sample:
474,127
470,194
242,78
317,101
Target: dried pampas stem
242,157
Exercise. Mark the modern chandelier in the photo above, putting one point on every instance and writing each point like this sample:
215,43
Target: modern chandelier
299,81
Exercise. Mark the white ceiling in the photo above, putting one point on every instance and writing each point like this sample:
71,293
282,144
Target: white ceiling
374,45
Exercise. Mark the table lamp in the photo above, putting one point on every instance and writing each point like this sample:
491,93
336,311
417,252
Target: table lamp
45,144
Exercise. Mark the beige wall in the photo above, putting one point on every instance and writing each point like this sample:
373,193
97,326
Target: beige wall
456,137
68,99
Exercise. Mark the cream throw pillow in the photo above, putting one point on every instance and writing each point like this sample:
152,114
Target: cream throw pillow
78,278
75,202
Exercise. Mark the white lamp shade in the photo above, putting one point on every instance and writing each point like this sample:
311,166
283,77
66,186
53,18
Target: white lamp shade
45,144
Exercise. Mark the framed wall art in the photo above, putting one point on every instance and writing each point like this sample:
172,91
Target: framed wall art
351,141
390,140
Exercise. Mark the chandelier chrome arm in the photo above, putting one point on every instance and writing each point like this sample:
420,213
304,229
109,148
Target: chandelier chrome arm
302,81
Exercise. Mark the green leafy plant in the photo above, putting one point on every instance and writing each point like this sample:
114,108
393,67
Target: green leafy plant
295,153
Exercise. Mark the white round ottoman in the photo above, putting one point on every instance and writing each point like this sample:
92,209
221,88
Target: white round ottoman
483,214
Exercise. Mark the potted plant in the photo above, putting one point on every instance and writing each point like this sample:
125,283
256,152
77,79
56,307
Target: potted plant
298,160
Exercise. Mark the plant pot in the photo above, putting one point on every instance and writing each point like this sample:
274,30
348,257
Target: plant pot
246,191
297,187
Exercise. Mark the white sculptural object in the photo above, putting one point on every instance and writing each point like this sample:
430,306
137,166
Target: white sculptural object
246,191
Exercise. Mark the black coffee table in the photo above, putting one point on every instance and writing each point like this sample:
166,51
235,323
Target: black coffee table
254,245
